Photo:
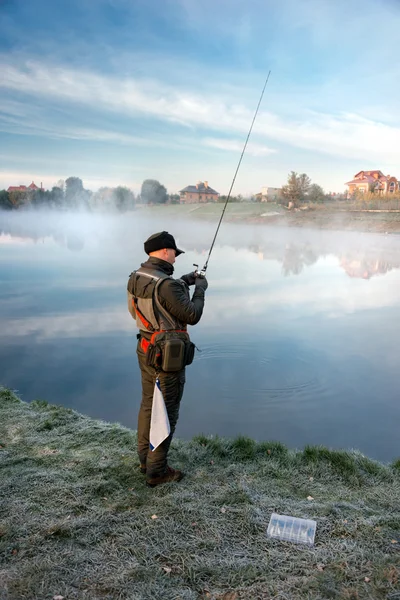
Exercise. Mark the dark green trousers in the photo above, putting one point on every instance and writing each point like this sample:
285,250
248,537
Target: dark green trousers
172,385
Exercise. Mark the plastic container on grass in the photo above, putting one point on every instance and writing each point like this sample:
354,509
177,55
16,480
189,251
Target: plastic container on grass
292,529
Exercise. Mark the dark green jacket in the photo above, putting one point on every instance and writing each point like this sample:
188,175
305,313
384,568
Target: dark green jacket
173,294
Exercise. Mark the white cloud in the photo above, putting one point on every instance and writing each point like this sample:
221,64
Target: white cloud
347,135
305,296
237,146
33,122
80,324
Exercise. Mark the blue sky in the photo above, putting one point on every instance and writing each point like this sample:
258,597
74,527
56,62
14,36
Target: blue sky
117,91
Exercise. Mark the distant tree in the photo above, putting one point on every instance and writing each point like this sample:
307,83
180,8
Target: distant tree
53,198
124,198
102,199
75,194
18,198
153,192
5,202
57,196
73,191
61,184
316,193
232,199
73,185
174,198
40,198
305,183
296,188
107,198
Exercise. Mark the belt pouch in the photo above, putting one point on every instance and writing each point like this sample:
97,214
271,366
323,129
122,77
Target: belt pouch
189,353
153,356
173,355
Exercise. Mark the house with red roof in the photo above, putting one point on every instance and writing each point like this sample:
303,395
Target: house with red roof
199,193
373,181
21,194
23,188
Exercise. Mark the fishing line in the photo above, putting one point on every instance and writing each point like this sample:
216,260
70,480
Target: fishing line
204,269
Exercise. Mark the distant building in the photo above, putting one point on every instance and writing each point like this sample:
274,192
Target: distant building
269,194
373,181
201,192
23,188
21,194
364,267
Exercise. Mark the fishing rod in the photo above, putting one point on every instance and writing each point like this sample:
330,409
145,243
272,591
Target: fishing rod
204,269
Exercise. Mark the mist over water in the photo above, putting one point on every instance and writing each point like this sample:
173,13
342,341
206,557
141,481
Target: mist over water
299,335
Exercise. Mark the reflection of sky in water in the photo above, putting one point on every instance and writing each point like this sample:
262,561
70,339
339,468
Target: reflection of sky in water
299,336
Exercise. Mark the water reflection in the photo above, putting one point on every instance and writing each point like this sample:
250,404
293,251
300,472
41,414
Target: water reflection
359,260
366,266
17,232
299,336
298,257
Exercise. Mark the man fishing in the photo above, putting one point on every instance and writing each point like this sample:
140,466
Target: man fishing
162,308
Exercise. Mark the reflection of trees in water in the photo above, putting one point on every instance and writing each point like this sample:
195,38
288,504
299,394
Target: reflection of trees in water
75,242
363,261
71,241
296,258
358,263
67,229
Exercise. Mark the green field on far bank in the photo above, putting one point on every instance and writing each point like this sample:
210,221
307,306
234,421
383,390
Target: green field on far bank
77,521
341,216
214,209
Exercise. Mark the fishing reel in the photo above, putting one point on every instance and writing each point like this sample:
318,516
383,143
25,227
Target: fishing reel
198,273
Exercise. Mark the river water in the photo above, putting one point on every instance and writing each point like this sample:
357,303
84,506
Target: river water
299,337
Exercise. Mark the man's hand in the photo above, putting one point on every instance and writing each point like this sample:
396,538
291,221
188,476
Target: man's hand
190,278
201,283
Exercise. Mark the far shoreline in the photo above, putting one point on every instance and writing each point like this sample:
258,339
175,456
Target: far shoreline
333,216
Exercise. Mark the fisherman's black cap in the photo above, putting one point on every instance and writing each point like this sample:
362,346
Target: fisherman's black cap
161,240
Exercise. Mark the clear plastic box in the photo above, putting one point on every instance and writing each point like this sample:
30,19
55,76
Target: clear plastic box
292,529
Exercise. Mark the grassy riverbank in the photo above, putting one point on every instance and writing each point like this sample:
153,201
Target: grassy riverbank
78,521
339,216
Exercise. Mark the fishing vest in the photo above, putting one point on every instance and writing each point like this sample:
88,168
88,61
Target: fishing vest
144,304
169,348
